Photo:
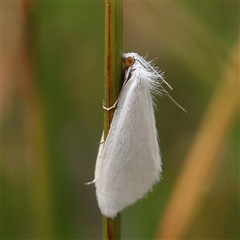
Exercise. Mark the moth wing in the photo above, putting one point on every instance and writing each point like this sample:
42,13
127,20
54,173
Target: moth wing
98,161
131,162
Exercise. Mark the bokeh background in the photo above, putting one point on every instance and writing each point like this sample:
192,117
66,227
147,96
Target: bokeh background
52,70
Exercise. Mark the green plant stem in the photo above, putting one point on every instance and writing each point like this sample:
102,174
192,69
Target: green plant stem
113,84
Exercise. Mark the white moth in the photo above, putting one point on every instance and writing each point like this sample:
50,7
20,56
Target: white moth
129,161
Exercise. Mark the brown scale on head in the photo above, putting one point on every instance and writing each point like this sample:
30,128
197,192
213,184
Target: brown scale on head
129,61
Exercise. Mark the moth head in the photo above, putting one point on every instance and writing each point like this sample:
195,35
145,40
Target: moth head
128,61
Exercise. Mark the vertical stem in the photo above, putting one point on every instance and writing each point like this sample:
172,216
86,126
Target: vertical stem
113,83
113,56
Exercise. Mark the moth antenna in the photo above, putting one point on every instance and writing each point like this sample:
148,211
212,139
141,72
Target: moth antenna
161,77
163,90
176,103
153,69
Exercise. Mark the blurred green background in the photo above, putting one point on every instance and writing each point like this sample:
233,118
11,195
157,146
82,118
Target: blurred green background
52,116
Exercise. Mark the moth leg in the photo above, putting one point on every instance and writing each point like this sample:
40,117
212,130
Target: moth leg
92,182
89,183
115,104
109,108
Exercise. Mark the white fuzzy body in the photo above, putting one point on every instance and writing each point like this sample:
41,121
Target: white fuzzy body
129,162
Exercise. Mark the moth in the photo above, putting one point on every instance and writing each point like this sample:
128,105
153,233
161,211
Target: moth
129,161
